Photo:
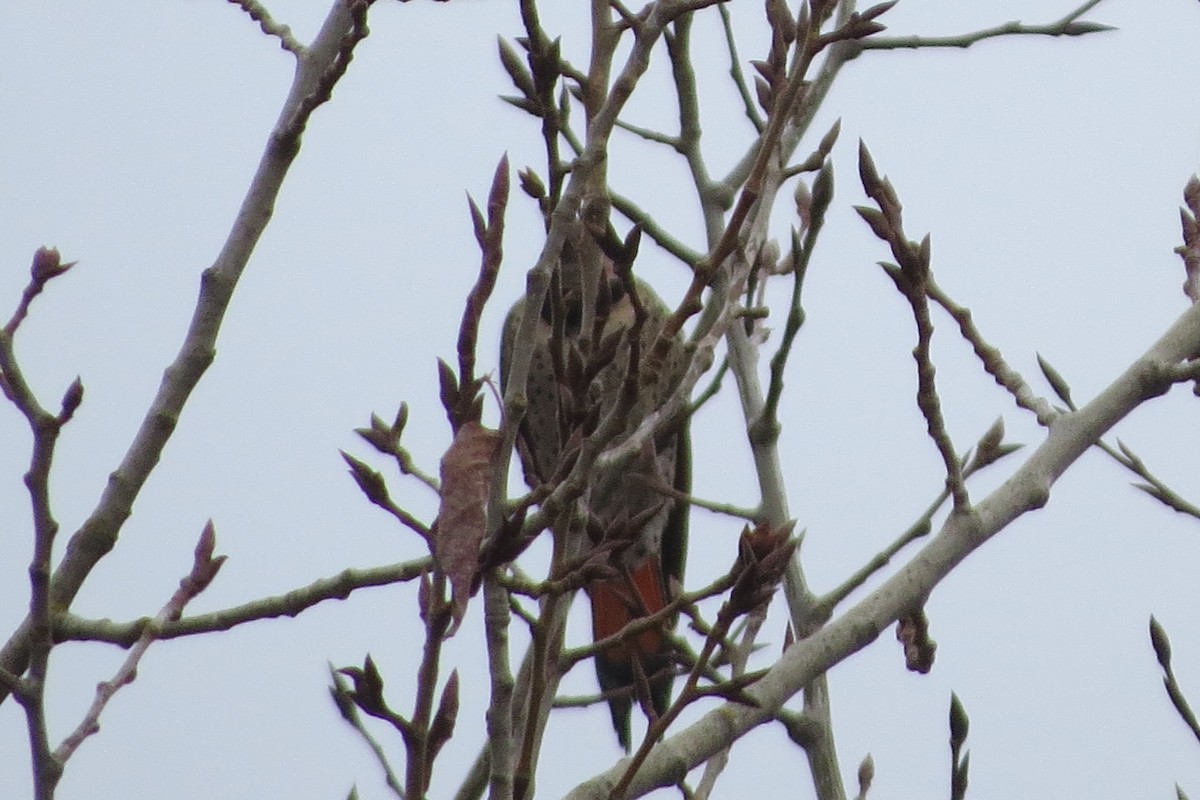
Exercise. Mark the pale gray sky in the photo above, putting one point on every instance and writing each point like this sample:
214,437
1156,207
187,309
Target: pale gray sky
1047,171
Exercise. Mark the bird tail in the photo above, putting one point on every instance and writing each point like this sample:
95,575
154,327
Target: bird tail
615,603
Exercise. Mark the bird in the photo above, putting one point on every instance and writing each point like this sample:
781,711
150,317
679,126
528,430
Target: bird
643,531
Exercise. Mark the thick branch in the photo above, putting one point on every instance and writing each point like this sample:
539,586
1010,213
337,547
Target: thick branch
1028,489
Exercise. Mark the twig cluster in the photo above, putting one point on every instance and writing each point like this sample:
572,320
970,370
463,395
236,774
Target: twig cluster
480,533
24,657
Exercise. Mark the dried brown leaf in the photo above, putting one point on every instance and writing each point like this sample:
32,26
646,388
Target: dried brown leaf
912,631
467,469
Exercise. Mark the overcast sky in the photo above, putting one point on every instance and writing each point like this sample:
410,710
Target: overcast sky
1047,171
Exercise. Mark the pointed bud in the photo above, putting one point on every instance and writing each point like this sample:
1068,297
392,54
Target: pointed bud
370,481
47,264
71,400
763,556
514,65
866,775
442,727
1160,643
960,723
830,138
1056,381
822,194
531,184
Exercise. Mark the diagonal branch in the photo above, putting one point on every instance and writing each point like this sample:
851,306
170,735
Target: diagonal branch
1122,453
961,534
204,568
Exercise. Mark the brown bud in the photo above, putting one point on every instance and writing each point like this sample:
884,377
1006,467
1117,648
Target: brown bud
71,400
763,556
368,687
912,631
369,480
47,264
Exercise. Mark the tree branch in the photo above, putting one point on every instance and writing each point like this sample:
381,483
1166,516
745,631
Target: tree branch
316,74
204,568
961,534
69,627
258,12
1067,26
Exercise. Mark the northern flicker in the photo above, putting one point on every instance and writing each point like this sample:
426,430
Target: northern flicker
645,532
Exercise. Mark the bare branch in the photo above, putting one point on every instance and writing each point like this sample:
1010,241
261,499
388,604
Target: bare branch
1153,485
767,424
1067,26
375,488
385,438
989,450
727,509
736,74
44,428
659,234
569,658
204,568
911,275
258,12
991,358
338,587
341,692
961,534
1123,454
649,134
315,76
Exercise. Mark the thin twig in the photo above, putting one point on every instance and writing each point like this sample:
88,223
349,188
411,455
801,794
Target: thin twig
437,615
572,656
736,74
911,276
69,627
1067,26
649,134
1162,651
991,358
737,661
258,12
342,693
1153,485
204,568
686,695
661,236
727,509
1123,454
990,448
45,429
767,423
